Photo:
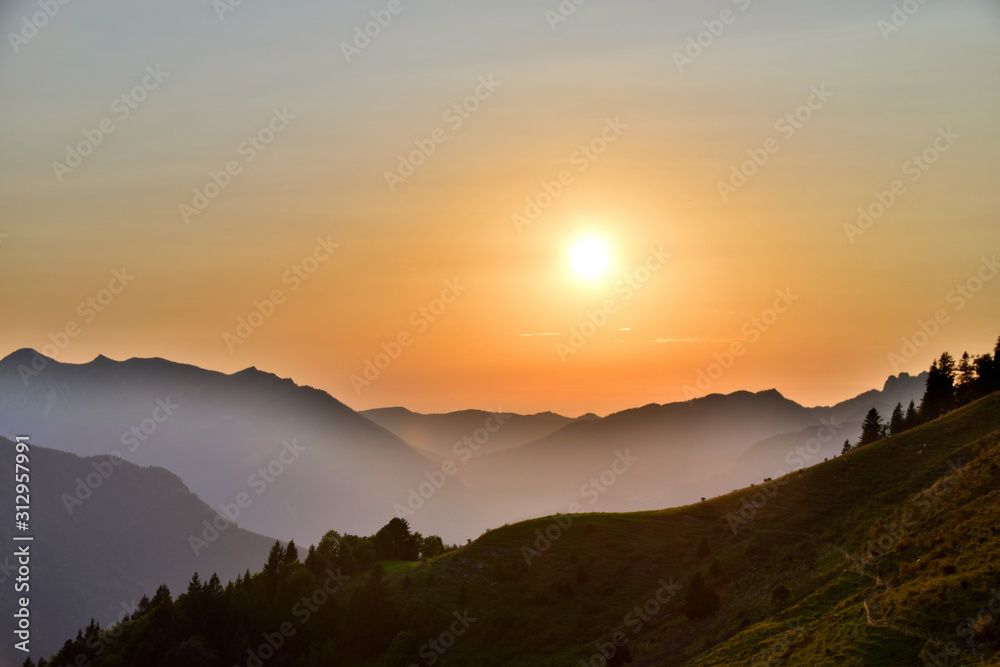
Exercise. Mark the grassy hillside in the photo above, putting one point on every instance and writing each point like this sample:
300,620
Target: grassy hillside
909,527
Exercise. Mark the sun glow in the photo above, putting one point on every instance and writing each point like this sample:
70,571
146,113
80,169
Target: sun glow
590,258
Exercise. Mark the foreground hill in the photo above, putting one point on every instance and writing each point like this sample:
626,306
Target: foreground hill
105,535
884,556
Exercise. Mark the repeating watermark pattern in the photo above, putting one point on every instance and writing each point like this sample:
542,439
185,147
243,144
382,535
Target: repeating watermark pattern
259,481
248,149
223,7
915,168
582,158
888,535
593,489
714,28
958,298
122,107
302,611
88,310
635,620
752,330
454,117
364,34
562,13
263,309
464,450
786,126
798,457
132,439
625,288
30,26
420,320
433,650
899,17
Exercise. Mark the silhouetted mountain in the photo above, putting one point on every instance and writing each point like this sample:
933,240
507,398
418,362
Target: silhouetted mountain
685,451
331,466
105,534
441,434
306,460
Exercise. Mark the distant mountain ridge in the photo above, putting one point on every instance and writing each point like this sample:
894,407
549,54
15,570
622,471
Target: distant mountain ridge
355,470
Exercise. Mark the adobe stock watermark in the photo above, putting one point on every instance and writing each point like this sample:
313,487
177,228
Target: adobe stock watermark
263,309
88,310
798,457
714,28
752,330
562,13
635,620
131,438
454,118
364,34
31,25
302,611
420,320
915,168
958,298
581,158
464,450
899,17
248,149
121,107
786,126
259,481
592,490
434,649
223,7
626,287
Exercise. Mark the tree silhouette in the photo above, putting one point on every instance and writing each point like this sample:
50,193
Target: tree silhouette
912,418
939,394
897,422
871,428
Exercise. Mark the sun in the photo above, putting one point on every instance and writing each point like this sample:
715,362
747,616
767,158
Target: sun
590,258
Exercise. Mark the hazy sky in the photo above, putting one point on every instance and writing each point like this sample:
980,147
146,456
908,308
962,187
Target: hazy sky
309,128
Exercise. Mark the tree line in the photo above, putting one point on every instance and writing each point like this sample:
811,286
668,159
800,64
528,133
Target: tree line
949,385
284,615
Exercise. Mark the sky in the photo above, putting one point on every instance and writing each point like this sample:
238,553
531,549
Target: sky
797,195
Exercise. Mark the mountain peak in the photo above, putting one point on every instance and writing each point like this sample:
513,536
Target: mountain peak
23,356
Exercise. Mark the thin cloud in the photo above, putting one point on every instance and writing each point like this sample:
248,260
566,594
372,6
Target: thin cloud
693,340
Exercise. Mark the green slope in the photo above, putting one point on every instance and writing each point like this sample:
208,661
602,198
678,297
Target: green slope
936,514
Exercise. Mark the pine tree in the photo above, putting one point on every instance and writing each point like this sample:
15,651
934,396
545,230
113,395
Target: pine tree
939,394
291,554
912,419
897,422
275,560
847,447
871,429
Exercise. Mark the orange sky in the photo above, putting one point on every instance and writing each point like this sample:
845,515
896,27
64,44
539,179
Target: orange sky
204,94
